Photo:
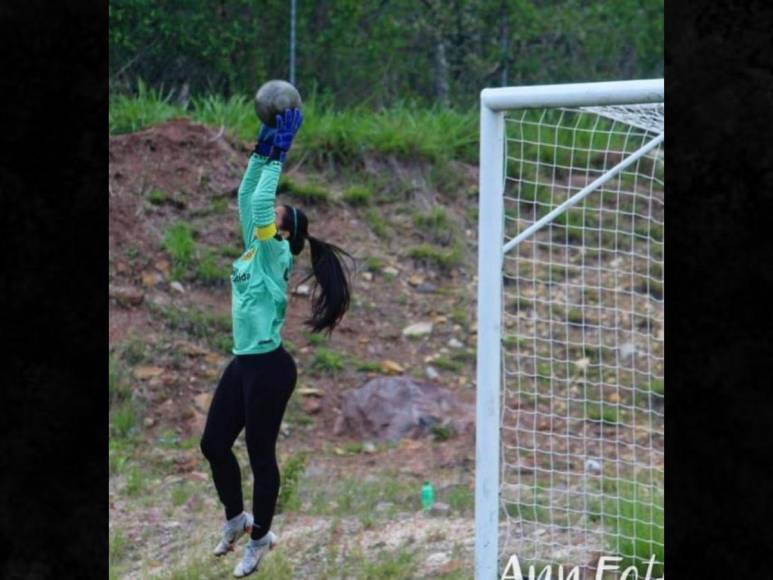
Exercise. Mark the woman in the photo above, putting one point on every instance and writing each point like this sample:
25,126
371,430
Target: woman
256,385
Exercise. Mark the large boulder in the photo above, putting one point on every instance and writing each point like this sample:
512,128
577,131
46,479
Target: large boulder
391,408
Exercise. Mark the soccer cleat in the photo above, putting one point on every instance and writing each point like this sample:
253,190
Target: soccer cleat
253,554
233,530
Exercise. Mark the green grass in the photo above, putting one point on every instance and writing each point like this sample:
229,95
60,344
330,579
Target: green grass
215,329
118,388
436,256
209,270
310,192
602,413
461,499
442,432
358,195
374,264
445,363
147,107
157,197
180,494
346,136
136,482
378,223
657,386
637,523
315,338
178,243
292,471
123,419
327,361
133,350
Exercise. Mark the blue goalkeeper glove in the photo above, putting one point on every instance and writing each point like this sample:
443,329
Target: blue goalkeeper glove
265,141
287,126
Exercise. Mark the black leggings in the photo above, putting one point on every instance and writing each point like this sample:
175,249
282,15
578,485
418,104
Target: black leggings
252,393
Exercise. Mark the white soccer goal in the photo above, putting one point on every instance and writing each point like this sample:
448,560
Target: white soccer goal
569,426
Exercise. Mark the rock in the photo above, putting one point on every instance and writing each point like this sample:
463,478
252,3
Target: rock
390,271
310,392
438,559
384,506
121,268
149,422
453,342
582,364
432,374
189,348
126,295
627,349
312,406
393,408
440,508
368,447
368,276
415,280
592,466
302,290
213,358
390,366
145,373
418,329
177,287
426,288
202,401
150,279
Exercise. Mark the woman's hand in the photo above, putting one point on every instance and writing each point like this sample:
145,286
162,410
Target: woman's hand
287,126
265,140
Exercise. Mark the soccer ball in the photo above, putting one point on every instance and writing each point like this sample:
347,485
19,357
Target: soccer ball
274,97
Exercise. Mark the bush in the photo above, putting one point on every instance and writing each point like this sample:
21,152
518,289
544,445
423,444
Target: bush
307,192
178,243
358,196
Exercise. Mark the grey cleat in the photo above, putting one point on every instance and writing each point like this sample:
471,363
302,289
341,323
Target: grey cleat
233,530
253,554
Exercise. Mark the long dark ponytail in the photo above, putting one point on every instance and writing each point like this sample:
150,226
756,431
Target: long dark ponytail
331,288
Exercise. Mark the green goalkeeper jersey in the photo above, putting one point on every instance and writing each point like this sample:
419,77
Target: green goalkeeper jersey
260,275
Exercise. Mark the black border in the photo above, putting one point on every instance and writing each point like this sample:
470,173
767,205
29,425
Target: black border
53,218
719,271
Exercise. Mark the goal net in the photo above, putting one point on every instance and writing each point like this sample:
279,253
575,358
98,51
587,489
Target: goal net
572,195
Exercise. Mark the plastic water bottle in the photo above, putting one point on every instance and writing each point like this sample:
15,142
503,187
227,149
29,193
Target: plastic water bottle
427,496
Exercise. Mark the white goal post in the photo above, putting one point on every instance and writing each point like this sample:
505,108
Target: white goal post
569,413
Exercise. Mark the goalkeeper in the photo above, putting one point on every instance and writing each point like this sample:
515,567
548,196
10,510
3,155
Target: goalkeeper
253,392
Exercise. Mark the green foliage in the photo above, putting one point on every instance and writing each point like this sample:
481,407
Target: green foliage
439,257
461,498
602,413
327,361
292,470
374,264
378,223
178,243
637,520
180,494
157,197
358,195
307,192
209,269
384,53
130,113
136,482
442,432
448,364
215,329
